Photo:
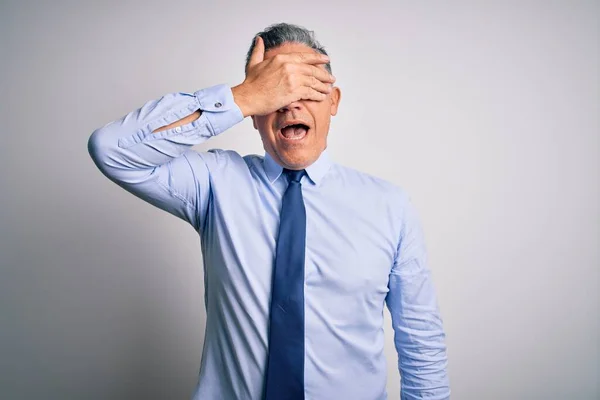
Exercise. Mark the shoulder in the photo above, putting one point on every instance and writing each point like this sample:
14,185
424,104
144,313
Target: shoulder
253,160
221,158
381,200
230,162
371,192
367,183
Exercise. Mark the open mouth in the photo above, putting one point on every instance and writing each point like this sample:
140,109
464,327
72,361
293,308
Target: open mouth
294,131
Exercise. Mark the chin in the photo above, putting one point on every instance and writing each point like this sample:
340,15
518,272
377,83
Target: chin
296,161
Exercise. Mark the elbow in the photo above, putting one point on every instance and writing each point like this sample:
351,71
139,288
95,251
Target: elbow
100,147
113,161
96,147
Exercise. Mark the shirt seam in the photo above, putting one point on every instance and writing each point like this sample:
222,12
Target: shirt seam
176,194
195,208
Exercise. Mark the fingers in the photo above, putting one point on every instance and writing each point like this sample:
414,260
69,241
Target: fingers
307,58
312,94
319,73
314,83
258,53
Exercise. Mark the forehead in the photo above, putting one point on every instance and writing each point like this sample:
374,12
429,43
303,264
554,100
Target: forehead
289,47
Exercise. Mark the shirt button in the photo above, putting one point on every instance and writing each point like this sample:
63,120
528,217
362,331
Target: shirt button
218,104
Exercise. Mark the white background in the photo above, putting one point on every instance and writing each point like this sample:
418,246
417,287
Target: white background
485,112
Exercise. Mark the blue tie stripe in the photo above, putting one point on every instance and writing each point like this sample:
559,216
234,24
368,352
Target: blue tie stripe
285,366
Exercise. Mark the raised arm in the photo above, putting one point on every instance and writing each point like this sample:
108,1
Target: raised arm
148,151
419,336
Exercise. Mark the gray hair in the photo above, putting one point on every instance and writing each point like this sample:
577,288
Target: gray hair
278,34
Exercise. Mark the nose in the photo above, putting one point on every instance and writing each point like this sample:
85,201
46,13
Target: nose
296,105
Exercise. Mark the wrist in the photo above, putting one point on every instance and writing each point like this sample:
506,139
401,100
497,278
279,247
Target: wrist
240,98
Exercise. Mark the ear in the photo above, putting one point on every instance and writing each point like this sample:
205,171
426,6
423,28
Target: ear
335,96
254,122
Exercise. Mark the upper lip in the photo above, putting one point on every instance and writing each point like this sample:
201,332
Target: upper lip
292,122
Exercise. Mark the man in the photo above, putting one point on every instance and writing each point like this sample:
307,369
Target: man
300,253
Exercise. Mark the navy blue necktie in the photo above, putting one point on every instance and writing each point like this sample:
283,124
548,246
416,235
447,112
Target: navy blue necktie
285,367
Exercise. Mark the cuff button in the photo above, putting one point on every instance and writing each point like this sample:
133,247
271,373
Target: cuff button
218,104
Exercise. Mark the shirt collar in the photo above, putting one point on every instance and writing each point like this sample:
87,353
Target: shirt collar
316,171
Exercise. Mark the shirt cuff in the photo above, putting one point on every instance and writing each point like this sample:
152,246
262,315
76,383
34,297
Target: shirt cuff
216,102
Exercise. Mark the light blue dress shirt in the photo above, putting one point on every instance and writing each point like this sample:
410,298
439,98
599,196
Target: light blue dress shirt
364,248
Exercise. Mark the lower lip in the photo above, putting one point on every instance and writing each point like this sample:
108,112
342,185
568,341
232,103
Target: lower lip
294,139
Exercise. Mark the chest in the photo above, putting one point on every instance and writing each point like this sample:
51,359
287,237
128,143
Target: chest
350,245
351,237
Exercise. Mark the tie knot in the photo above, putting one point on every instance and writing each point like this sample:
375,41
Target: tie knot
294,175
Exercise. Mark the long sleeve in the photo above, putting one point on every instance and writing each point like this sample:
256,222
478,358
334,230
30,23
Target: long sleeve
160,167
419,337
